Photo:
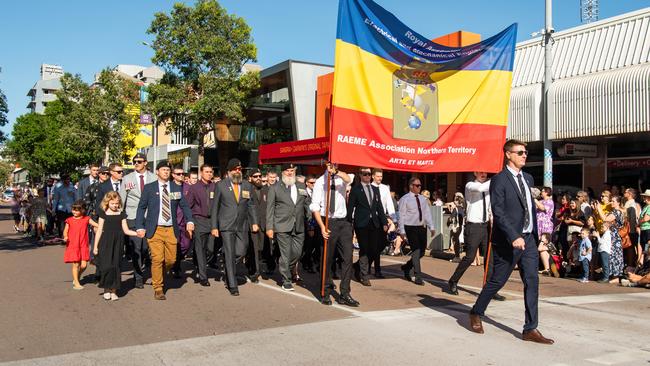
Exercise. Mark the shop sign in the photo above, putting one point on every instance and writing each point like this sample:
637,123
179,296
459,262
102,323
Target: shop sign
643,163
578,150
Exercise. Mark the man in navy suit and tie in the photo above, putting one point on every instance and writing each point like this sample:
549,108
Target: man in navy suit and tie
514,240
158,203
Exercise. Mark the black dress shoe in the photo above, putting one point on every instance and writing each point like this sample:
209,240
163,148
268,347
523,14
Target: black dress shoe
498,297
379,275
139,284
326,300
453,288
255,278
177,274
347,300
234,291
205,283
418,281
335,276
365,282
296,279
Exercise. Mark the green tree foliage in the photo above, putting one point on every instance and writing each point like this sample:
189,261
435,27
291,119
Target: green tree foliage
203,50
83,125
4,109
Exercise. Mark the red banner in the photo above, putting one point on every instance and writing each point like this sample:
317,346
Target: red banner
303,151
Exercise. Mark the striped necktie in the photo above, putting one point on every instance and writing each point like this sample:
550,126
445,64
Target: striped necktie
166,211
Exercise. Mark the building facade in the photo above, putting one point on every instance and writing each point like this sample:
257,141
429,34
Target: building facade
45,88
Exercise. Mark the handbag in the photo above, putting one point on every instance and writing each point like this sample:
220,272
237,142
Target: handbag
624,233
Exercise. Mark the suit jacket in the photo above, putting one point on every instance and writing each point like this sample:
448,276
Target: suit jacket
508,211
130,191
149,208
229,215
366,213
83,186
260,204
282,215
101,192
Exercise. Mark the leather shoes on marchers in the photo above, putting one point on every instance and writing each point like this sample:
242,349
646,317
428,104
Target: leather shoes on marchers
205,283
407,273
498,297
347,300
475,323
234,291
326,300
365,282
535,336
453,288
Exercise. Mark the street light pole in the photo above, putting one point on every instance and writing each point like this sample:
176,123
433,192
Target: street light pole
548,79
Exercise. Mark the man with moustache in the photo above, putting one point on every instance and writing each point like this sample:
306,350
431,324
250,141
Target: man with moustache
254,257
286,210
514,240
233,216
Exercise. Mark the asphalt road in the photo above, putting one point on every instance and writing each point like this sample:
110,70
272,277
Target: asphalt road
44,322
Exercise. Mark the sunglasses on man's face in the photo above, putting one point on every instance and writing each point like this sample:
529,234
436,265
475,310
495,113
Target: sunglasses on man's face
311,182
178,173
365,174
520,152
118,171
103,173
138,161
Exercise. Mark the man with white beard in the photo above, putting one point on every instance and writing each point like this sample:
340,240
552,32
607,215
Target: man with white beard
233,214
287,206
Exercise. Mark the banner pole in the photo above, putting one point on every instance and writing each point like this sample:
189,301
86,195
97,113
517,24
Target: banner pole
324,264
487,257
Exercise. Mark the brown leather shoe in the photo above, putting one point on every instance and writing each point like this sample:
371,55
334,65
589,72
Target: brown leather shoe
159,295
535,336
475,323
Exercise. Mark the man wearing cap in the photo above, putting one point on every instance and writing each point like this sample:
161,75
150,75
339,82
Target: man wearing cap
130,192
338,233
156,220
232,216
200,197
287,207
254,257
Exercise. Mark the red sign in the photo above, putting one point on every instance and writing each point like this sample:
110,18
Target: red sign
629,163
294,151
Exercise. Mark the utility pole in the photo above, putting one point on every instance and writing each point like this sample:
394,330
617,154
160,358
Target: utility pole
548,79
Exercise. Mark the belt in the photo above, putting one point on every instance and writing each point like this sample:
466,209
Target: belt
165,225
334,219
477,223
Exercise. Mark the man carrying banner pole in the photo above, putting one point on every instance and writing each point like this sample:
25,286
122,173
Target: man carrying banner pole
328,206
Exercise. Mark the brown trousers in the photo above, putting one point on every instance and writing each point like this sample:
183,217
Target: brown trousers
162,247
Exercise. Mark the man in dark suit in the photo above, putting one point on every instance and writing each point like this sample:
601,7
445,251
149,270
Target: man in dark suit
287,207
156,220
88,181
514,240
366,213
254,257
114,183
233,216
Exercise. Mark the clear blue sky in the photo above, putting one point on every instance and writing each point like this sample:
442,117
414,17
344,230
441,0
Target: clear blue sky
86,36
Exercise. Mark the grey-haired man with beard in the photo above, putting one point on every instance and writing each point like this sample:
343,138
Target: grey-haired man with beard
287,207
233,216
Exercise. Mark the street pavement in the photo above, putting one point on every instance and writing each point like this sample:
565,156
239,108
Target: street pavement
44,322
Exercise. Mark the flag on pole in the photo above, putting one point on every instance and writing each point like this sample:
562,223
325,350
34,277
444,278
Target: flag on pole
402,102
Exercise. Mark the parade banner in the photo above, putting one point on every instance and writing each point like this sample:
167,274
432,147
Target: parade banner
402,102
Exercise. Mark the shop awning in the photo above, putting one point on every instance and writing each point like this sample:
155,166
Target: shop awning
306,152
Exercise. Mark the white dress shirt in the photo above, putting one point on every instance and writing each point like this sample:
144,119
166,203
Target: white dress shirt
408,212
386,200
294,193
474,200
319,197
529,229
161,221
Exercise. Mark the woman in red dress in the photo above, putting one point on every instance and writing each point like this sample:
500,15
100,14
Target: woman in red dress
75,235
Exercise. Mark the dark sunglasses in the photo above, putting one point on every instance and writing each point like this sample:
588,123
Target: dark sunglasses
520,152
417,185
103,173
138,161
181,173
366,174
118,171
311,182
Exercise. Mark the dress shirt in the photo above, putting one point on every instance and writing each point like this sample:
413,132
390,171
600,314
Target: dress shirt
161,221
319,197
294,193
408,212
529,229
386,200
113,183
199,196
474,199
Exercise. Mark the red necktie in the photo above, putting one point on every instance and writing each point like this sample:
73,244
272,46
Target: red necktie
141,182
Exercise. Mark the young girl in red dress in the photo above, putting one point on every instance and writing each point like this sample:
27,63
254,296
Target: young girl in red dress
75,235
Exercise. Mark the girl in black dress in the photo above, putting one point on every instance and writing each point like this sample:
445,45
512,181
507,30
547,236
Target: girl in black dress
109,242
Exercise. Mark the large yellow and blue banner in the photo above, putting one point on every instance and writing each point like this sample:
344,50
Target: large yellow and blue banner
402,102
